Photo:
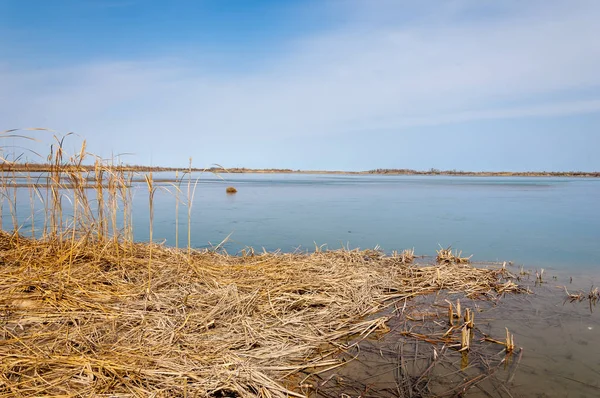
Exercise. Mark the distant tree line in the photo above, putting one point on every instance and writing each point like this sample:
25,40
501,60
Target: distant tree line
434,171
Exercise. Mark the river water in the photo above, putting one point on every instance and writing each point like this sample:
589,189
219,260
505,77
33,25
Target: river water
538,222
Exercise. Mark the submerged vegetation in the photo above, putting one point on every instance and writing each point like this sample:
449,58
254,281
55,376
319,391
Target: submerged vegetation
86,310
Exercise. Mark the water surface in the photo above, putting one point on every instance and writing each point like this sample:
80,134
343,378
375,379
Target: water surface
539,221
542,222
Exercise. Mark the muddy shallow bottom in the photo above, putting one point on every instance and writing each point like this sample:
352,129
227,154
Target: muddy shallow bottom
557,350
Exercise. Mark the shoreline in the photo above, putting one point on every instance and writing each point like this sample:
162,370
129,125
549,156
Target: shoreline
47,168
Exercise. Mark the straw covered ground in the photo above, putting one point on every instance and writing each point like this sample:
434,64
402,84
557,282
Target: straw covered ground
116,319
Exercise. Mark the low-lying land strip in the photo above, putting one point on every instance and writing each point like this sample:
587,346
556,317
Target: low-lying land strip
46,168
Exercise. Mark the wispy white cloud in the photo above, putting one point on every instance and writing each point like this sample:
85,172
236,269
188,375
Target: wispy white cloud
446,68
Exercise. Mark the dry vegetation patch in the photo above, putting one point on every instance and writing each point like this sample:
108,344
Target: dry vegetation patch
78,317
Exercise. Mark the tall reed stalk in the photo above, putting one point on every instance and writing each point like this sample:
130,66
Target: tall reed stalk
189,203
13,212
151,191
177,210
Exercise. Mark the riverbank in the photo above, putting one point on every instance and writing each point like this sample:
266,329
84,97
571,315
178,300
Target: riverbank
95,317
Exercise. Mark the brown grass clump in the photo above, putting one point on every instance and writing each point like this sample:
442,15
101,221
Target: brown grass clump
446,256
231,190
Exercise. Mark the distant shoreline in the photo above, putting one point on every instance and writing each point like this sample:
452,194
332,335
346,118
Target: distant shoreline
41,168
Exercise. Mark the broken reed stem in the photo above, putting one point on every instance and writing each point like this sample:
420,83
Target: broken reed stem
539,276
469,318
446,256
510,342
406,257
465,342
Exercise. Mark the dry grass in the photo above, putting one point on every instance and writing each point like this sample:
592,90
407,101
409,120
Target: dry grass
85,311
210,323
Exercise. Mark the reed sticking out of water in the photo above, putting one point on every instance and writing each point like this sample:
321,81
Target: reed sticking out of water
593,296
510,342
407,256
469,318
465,341
538,276
446,256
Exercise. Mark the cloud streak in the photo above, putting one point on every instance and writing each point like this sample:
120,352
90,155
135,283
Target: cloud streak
541,63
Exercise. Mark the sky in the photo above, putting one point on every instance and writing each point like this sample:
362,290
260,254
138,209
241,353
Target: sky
480,85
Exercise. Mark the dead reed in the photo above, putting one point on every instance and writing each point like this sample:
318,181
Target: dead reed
407,256
593,297
446,256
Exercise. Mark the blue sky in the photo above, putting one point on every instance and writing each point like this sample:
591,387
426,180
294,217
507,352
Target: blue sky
352,85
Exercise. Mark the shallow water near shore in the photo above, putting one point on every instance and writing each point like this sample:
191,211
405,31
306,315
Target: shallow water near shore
557,348
539,222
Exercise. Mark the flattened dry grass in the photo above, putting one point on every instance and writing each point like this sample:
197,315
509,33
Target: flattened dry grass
77,318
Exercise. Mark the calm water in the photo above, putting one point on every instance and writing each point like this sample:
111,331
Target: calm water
548,222
538,222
